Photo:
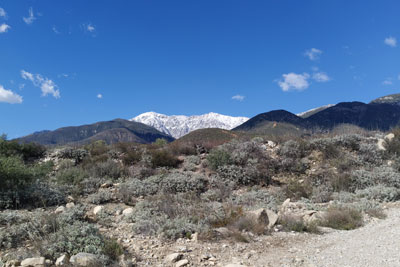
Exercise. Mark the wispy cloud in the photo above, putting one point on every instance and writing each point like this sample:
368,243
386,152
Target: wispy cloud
99,96
238,97
387,81
391,41
46,85
3,13
8,96
292,81
321,77
55,30
313,54
31,18
4,28
89,28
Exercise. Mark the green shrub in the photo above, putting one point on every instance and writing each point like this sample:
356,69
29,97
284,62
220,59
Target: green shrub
28,152
218,158
112,249
379,193
107,169
163,158
71,176
297,224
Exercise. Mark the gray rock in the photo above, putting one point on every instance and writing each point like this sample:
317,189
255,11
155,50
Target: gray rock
182,263
60,209
70,205
127,211
34,262
85,260
174,257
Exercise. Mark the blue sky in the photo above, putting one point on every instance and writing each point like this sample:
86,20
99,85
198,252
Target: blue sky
74,62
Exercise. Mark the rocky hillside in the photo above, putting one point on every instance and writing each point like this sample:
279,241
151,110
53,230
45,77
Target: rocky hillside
114,131
179,125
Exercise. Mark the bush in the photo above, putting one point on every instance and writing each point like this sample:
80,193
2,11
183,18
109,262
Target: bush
163,158
380,193
248,175
102,196
112,249
342,218
387,176
218,158
107,169
28,152
17,178
296,224
78,155
71,176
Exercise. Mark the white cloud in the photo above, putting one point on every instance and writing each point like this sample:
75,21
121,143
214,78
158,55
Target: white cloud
313,53
9,96
3,13
238,97
293,81
4,28
391,41
321,77
388,81
46,85
31,18
90,28
99,96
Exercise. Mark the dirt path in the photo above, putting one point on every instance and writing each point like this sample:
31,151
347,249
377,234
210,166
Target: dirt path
376,244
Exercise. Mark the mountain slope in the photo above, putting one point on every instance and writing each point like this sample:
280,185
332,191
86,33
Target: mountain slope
389,99
179,125
313,111
113,131
277,116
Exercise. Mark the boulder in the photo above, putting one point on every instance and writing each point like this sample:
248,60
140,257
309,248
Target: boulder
34,262
85,259
97,209
264,217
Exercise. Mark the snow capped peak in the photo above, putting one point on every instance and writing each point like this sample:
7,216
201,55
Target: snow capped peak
179,125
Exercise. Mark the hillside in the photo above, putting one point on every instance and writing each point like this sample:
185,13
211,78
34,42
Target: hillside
113,131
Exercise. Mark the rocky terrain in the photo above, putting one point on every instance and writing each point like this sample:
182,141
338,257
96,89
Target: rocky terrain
321,200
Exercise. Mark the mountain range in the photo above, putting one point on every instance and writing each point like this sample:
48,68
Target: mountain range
380,114
113,131
180,125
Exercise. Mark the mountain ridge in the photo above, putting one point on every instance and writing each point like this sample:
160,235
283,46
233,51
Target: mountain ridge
180,125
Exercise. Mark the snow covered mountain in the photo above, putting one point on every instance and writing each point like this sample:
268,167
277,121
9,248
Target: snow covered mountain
179,125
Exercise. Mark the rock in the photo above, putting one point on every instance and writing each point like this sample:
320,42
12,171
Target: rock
182,263
70,199
381,144
62,261
12,263
285,205
195,237
70,205
59,210
271,144
48,262
389,137
127,211
34,262
174,257
225,232
85,259
260,216
272,217
107,185
97,209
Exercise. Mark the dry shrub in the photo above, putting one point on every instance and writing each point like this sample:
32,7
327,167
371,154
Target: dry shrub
342,218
